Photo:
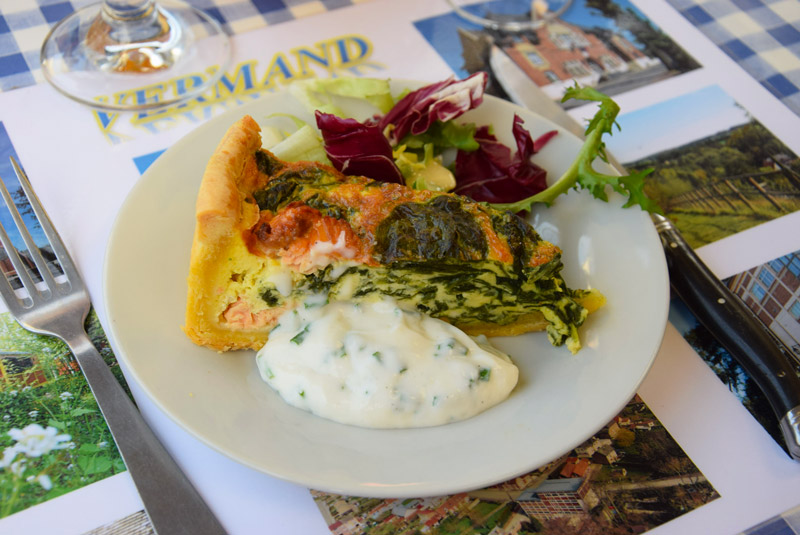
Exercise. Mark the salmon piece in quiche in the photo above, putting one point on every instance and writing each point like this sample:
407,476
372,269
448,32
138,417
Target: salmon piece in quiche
270,234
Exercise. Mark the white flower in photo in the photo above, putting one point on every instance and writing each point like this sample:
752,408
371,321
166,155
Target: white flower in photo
33,414
6,417
102,444
65,395
17,467
44,481
9,454
34,440
26,388
12,393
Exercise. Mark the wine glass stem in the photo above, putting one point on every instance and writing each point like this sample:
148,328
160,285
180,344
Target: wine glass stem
128,9
131,21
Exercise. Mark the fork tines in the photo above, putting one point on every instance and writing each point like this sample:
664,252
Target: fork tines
32,265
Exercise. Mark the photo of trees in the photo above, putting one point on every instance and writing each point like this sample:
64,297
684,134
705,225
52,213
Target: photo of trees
716,170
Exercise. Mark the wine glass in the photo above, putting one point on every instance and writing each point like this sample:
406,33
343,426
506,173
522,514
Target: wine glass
135,55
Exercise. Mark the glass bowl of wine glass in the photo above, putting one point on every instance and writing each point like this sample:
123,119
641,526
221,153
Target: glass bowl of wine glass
135,55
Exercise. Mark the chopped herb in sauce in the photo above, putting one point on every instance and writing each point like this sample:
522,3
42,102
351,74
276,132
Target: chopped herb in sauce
299,337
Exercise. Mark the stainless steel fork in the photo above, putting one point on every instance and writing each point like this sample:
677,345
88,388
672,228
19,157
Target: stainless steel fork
58,306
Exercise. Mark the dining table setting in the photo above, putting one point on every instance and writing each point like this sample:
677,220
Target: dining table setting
653,147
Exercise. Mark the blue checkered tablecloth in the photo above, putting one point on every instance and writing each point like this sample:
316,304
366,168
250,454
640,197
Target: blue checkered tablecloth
787,523
25,23
763,36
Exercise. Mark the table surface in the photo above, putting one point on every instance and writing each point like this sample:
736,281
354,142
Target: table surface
762,37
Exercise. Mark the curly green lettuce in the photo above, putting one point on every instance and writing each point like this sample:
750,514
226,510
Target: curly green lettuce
581,175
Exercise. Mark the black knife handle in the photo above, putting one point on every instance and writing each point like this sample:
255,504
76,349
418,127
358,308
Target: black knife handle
737,328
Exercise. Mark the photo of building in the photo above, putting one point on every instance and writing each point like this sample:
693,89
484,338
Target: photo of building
557,498
772,291
610,45
564,53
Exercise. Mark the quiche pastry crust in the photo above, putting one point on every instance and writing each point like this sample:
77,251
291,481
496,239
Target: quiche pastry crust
221,214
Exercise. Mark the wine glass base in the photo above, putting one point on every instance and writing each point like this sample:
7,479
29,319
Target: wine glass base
169,57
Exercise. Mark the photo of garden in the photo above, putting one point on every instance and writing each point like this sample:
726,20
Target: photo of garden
53,438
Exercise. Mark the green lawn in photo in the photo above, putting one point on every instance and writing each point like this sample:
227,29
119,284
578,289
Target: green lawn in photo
724,184
53,438
700,229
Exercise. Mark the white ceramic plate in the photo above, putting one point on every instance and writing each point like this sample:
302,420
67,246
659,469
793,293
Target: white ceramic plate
560,401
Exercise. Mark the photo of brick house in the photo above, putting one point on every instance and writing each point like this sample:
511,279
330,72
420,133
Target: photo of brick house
609,45
772,291
564,53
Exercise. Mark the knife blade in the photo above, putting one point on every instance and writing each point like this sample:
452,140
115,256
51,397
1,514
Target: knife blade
716,307
523,91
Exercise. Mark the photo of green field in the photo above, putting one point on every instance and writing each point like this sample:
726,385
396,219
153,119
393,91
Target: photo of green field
716,170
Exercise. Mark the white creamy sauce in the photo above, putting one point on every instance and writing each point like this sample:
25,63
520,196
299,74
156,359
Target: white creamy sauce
374,364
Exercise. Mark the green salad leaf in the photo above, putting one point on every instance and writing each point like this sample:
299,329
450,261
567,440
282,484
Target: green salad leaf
322,93
581,173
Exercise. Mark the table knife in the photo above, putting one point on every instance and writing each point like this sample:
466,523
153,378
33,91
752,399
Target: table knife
733,324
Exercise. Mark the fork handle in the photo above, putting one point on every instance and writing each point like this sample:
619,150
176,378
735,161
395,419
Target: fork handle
173,505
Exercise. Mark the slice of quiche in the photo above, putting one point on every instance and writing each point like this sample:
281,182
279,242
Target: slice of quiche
269,234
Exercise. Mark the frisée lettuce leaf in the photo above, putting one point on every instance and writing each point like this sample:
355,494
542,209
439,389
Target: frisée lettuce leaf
581,173
323,94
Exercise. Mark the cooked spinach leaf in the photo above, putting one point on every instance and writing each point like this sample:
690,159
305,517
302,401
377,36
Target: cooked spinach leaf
267,163
271,297
327,208
276,193
439,229
461,292
519,235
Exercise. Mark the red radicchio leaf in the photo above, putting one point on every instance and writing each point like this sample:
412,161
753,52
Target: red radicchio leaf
492,174
442,101
356,148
